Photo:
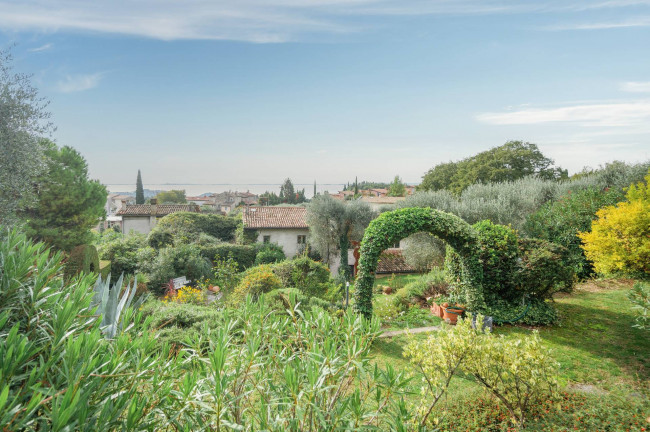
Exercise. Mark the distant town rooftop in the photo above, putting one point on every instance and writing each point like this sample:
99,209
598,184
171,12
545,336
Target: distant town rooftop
156,210
275,217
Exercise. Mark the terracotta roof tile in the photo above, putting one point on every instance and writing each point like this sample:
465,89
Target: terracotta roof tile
392,261
275,217
161,209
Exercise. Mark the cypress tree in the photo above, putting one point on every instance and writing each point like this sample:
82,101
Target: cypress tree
139,190
314,187
356,187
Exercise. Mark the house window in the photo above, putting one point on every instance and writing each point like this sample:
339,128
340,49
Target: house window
267,239
302,239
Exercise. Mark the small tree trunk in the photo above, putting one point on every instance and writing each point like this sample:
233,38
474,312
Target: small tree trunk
344,244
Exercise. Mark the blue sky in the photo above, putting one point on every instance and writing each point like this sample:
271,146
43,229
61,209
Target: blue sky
253,91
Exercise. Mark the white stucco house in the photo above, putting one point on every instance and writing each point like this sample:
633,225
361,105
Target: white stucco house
143,217
285,226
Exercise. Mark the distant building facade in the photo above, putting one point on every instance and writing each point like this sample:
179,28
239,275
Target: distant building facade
142,218
285,226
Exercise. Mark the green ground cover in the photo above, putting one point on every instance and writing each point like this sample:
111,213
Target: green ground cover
605,367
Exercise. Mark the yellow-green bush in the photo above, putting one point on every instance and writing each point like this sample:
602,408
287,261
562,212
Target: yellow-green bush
619,240
255,281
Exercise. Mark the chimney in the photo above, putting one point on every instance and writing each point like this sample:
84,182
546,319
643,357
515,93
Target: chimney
154,206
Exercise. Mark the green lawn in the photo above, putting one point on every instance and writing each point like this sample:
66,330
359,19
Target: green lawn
603,358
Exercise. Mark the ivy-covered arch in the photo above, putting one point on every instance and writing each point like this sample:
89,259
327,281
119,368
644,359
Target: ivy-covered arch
391,227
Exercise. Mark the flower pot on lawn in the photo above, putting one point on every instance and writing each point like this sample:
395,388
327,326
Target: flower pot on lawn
452,313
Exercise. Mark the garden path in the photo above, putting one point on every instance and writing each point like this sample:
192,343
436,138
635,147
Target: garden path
406,331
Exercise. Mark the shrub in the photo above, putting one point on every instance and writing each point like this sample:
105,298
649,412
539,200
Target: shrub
121,252
309,276
619,241
226,274
543,269
269,253
560,222
187,294
255,281
83,258
244,255
57,369
186,226
184,260
640,298
521,373
416,293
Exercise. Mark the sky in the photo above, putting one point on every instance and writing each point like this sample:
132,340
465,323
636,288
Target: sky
254,91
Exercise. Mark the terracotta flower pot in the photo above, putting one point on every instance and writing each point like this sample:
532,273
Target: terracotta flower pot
451,314
437,309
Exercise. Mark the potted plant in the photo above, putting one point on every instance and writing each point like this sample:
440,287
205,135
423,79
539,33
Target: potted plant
452,312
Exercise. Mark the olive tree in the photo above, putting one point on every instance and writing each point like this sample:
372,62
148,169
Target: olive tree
333,224
23,120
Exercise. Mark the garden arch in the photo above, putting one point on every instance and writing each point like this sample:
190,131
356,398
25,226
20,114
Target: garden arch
391,227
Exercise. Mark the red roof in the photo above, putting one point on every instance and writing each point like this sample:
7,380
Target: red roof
275,217
160,210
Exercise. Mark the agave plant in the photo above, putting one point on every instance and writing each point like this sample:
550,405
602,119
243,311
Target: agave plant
110,305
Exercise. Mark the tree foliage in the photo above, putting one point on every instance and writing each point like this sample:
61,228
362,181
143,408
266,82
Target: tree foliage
333,224
288,195
171,197
397,188
619,241
139,190
24,119
511,161
69,204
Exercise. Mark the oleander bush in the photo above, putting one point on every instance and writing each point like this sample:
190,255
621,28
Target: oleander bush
639,295
250,368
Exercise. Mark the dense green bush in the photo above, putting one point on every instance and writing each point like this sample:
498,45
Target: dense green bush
543,269
254,282
311,277
269,253
416,293
244,255
185,227
560,222
83,258
173,262
122,252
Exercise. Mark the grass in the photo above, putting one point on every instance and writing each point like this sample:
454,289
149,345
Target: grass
604,360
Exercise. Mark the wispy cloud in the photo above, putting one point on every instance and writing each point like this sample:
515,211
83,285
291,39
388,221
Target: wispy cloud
636,86
41,48
603,25
604,115
253,20
78,83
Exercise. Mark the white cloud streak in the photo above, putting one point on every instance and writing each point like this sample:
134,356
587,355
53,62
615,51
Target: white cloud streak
257,21
636,86
633,113
41,48
78,83
604,25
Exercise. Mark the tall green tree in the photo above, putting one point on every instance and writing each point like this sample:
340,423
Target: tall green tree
333,224
69,204
288,192
171,197
397,188
511,161
23,120
139,190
